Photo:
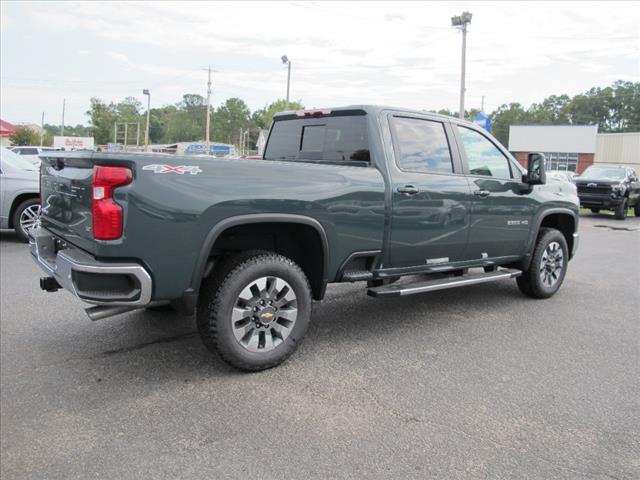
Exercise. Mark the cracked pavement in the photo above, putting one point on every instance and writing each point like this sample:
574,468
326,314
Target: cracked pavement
479,382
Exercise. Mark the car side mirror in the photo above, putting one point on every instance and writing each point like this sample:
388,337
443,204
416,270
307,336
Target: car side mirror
535,170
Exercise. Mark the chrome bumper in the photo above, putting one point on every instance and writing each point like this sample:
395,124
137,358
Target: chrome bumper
68,265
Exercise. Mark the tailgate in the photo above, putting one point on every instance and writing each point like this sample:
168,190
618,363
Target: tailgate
66,193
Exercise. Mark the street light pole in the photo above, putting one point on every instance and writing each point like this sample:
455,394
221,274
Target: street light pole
461,22
146,131
64,104
287,62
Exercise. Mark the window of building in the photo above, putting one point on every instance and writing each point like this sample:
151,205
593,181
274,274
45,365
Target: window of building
565,162
422,145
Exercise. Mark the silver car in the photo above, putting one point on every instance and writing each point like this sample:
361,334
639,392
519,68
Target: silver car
32,153
19,193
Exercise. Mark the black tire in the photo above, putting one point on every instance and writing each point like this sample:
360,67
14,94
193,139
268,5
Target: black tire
595,210
17,214
636,209
530,282
220,293
621,210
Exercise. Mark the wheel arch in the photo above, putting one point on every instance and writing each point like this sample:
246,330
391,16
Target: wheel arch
562,219
315,266
17,200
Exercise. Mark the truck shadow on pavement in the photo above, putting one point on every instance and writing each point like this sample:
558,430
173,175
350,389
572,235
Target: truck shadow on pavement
346,318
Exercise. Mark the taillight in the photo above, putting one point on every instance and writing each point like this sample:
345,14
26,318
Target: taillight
107,214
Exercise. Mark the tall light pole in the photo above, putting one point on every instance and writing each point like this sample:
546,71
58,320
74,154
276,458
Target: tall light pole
146,131
64,104
461,22
287,62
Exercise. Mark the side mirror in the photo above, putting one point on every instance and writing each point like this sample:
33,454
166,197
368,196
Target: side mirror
535,170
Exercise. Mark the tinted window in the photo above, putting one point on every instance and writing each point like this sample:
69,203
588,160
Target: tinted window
422,145
483,156
342,138
28,151
313,138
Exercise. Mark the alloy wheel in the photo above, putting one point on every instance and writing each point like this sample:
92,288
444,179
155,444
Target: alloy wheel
551,264
264,314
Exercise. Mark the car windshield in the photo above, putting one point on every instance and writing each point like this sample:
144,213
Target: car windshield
14,160
604,173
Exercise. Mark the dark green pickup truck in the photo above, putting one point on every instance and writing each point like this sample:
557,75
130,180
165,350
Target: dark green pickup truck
360,193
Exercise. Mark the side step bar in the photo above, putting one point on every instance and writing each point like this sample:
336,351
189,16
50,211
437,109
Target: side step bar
395,290
357,276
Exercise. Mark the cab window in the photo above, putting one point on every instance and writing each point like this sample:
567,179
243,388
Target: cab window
483,156
422,145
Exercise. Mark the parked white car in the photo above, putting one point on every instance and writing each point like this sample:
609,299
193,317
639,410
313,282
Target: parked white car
32,153
562,176
19,193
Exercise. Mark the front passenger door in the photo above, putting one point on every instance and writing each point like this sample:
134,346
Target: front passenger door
502,211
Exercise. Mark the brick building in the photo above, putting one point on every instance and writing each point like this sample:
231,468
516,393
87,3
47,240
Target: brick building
567,147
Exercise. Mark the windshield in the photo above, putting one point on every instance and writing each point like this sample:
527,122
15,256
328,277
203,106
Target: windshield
14,160
605,173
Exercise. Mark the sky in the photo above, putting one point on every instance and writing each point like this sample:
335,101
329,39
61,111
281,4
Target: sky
342,53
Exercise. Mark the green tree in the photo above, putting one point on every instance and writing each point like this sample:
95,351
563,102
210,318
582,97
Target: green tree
229,119
24,136
102,118
504,117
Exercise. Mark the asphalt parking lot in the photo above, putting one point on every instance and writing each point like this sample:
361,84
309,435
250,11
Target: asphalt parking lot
479,382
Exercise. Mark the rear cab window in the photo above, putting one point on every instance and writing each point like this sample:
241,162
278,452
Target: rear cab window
422,145
340,138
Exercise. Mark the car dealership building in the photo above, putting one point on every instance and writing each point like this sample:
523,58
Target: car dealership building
574,147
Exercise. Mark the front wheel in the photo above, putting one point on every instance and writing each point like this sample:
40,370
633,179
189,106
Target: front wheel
621,210
548,265
254,310
25,217
636,209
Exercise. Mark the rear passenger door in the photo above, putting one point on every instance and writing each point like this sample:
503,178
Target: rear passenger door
502,211
431,199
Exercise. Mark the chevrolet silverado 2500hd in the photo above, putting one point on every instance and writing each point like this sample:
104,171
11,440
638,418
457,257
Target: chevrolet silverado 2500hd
359,193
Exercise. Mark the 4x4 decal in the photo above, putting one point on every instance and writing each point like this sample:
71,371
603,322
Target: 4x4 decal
181,169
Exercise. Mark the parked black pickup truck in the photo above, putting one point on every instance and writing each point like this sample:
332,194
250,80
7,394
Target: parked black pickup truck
604,187
360,193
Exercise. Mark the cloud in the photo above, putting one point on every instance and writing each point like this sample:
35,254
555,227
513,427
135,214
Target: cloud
403,53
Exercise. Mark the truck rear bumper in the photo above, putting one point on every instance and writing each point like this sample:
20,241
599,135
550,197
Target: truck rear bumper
91,280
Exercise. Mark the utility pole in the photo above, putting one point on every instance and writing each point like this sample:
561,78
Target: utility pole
42,130
482,106
146,132
206,135
64,102
461,22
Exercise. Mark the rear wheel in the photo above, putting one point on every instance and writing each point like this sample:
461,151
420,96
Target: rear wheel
621,210
548,265
255,310
636,209
25,217
595,210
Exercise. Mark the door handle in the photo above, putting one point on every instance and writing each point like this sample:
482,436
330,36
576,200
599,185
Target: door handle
408,190
482,193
